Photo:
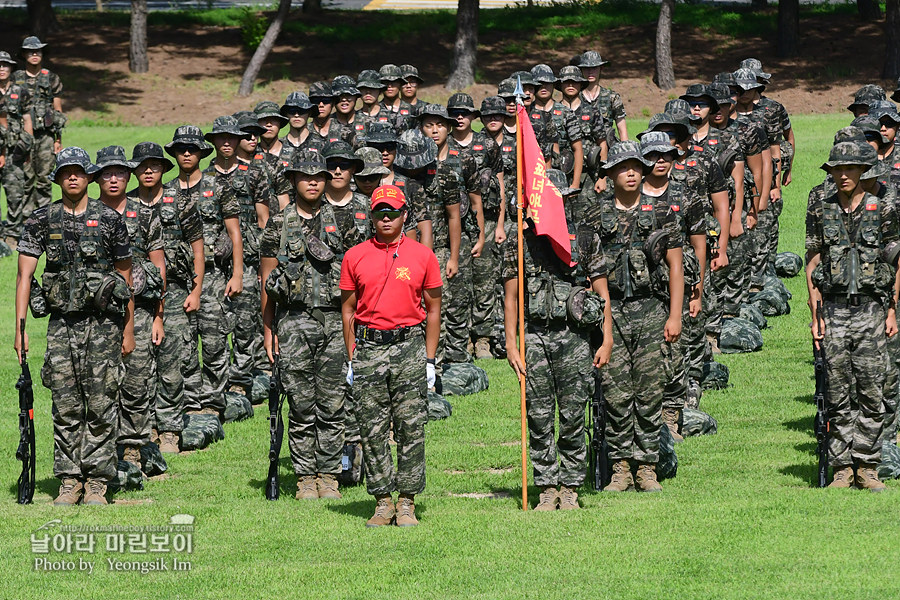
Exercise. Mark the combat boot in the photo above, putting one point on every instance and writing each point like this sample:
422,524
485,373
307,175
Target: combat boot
132,454
867,478
694,394
646,478
621,481
327,485
406,511
470,347
843,478
483,348
671,417
154,436
94,493
168,442
69,492
384,512
306,488
713,341
547,500
568,498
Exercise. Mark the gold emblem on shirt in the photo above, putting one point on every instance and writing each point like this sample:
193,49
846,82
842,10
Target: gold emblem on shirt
402,273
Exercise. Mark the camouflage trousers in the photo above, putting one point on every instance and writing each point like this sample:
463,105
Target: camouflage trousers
761,236
730,284
558,376
456,305
247,338
14,186
214,323
389,391
83,370
485,274
856,360
892,387
313,365
139,385
684,359
775,208
38,187
177,351
633,380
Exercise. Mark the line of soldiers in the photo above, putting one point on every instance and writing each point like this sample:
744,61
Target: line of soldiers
672,232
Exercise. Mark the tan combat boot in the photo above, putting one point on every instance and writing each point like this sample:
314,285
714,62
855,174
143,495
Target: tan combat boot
547,500
713,341
568,498
843,478
621,481
306,488
483,348
132,454
327,485
646,478
384,512
69,492
671,416
94,493
168,442
154,436
867,478
406,511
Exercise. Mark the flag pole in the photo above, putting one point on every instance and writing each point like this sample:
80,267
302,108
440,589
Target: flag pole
520,203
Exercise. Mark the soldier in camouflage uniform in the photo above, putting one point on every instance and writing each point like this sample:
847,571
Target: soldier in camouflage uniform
45,106
352,129
370,88
270,118
87,248
17,141
392,102
642,323
300,257
889,119
604,100
542,123
370,176
571,148
269,187
351,209
863,97
322,126
594,129
138,387
297,109
558,361
386,346
855,301
411,84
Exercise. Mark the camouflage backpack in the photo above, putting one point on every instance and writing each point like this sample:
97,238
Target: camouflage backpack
739,335
462,379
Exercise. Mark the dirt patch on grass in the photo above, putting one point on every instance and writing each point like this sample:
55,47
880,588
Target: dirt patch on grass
483,496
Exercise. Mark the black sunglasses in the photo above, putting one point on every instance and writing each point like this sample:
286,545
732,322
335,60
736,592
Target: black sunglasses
390,213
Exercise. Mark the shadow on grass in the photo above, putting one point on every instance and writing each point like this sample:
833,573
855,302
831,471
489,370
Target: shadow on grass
804,424
806,473
287,481
49,486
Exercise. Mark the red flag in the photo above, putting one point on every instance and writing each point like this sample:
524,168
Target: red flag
543,202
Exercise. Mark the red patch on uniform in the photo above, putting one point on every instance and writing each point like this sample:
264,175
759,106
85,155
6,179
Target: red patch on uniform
713,142
871,206
332,140
45,71
557,112
208,194
675,207
897,165
130,214
382,119
400,183
404,112
692,163
360,127
679,166
432,171
477,147
243,167
571,236
585,117
360,215
14,96
646,207
507,148
454,152
92,223
330,228
535,116
258,156
168,199
284,162
698,148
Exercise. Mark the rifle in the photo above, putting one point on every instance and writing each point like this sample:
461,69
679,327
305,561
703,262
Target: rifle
598,447
26,450
821,425
276,431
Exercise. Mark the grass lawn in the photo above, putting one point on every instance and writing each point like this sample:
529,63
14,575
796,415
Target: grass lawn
741,520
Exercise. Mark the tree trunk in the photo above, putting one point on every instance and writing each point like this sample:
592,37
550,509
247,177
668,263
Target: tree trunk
788,35
312,6
265,46
869,10
99,5
759,4
138,62
466,48
665,72
41,18
892,30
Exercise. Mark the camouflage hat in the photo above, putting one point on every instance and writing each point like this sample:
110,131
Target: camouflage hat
845,153
725,77
559,181
308,162
268,109
228,125
462,102
569,73
526,77
876,167
493,105
341,149
381,132
746,80
389,73
320,89
369,79
542,74
248,123
755,65
622,151
870,127
296,101
591,58
700,90
896,95
112,156
410,72
6,58
884,109
721,93
73,155
680,123
147,151
850,133
415,150
436,110
32,43
507,88
189,135
342,85
680,109
372,164
865,95
657,141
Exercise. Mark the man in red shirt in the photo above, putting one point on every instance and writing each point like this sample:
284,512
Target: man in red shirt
391,341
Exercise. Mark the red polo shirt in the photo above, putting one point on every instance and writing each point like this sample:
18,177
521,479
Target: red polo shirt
388,289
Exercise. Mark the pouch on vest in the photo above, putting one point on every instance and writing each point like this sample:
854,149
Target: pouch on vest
538,294
223,250
112,294
147,280
37,301
585,307
559,299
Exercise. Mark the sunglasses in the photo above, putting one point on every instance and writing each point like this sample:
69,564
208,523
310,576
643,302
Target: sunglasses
384,147
369,178
700,103
391,213
343,165
873,137
321,100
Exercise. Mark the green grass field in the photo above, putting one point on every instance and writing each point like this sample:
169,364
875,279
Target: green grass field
741,520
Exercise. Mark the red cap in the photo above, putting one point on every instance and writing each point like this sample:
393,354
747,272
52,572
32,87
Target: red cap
390,195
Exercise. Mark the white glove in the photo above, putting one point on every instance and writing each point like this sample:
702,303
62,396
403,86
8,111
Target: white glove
349,372
430,377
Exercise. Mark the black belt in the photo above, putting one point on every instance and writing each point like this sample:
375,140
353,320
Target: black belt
382,337
849,299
